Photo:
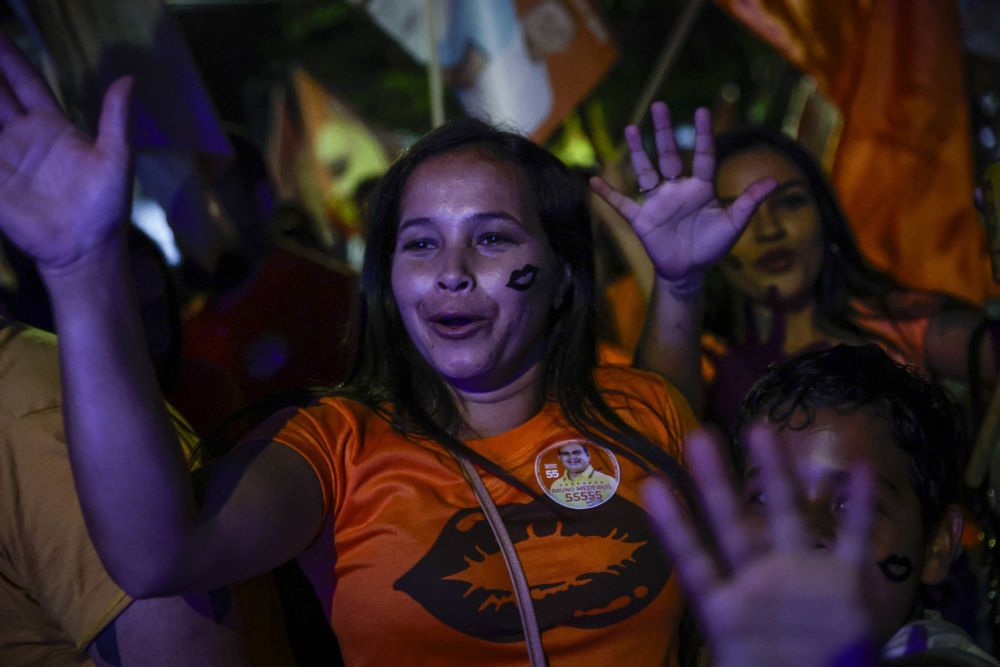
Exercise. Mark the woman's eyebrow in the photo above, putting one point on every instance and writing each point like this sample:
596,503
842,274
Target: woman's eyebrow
481,216
493,215
782,187
788,185
413,222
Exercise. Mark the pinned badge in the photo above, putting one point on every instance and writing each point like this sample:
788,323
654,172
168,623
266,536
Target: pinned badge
577,474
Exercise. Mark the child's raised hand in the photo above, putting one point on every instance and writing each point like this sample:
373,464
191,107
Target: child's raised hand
61,194
679,221
773,598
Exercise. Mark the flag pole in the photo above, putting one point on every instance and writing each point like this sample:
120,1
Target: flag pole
434,69
665,61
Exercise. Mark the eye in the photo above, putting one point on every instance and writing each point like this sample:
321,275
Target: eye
495,240
756,499
791,201
843,504
417,245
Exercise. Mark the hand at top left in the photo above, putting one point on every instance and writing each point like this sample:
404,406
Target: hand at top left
680,222
62,194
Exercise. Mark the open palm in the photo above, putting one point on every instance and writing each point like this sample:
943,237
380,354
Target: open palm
680,222
773,599
61,193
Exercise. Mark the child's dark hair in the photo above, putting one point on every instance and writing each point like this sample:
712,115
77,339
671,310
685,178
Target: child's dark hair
922,419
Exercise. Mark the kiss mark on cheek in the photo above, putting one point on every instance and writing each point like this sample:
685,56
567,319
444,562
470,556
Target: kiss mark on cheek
524,278
896,569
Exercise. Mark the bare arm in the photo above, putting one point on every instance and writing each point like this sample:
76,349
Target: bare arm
670,343
197,629
63,200
685,231
259,507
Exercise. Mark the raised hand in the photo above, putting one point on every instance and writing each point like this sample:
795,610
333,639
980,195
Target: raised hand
62,194
681,224
772,599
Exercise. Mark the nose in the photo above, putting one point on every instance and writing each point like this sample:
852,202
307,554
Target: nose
821,524
455,274
766,225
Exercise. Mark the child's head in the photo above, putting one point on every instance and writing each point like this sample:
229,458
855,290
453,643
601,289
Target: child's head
848,405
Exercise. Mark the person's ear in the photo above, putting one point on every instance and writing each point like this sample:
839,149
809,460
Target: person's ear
565,282
944,544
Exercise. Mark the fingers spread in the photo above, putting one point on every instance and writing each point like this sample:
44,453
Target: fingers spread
743,207
692,561
787,529
671,164
703,164
29,89
628,208
645,174
721,501
853,543
112,133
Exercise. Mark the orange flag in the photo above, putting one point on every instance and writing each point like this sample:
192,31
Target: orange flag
903,166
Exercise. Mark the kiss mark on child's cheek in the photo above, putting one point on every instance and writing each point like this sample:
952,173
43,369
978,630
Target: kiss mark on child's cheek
896,569
522,279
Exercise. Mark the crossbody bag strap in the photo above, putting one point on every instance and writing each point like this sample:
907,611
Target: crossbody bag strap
532,637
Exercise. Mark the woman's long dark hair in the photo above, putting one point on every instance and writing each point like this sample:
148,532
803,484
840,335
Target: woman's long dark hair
391,377
845,278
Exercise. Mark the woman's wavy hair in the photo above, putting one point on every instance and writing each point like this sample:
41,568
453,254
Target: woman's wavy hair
391,377
845,276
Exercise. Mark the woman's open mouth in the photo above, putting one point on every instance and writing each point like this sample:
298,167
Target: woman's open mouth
457,325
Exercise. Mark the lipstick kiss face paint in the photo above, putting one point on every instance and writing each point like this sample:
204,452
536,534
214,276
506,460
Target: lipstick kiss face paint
467,227
613,569
522,279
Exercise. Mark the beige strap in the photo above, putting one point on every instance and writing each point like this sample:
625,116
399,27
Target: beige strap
532,637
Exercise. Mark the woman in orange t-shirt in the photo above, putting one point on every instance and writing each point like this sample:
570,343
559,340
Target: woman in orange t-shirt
477,345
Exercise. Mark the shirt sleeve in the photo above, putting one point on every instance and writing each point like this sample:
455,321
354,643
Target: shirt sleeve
325,435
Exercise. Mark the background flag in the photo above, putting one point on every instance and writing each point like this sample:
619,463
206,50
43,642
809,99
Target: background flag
903,167
517,63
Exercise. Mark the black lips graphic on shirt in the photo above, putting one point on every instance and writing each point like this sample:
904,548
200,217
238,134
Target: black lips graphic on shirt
463,582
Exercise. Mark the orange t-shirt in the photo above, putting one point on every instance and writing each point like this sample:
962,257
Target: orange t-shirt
409,571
